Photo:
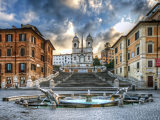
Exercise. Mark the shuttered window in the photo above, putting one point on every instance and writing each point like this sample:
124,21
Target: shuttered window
8,68
22,67
22,52
22,37
8,52
9,38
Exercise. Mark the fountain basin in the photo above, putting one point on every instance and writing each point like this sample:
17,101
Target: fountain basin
81,103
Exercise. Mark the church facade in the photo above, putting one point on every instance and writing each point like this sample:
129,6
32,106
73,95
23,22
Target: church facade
82,55
81,58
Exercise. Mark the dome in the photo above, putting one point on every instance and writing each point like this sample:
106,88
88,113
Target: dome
76,38
89,37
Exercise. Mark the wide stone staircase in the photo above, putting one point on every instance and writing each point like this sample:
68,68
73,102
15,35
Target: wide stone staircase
58,79
83,80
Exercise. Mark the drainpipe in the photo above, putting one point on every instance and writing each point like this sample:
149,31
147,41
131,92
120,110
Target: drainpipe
15,53
44,57
157,58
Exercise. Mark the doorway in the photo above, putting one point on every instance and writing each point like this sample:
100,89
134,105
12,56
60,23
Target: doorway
150,81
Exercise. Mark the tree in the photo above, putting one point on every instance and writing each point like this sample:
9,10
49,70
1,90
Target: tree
96,62
107,48
110,65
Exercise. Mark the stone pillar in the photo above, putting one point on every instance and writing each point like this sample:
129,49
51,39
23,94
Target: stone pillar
15,81
29,82
51,84
116,83
3,84
37,84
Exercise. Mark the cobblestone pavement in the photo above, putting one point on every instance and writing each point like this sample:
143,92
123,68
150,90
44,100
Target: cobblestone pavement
11,111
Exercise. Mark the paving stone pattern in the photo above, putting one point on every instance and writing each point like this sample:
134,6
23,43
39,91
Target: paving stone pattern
11,111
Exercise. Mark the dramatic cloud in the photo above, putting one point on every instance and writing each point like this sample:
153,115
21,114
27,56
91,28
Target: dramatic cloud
59,20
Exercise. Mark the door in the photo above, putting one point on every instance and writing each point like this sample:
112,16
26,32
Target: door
150,81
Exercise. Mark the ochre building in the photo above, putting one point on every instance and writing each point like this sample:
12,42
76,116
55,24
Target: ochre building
107,56
137,55
24,52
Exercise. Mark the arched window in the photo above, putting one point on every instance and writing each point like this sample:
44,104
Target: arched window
22,52
89,44
75,45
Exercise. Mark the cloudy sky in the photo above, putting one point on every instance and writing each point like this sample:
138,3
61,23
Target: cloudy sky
59,20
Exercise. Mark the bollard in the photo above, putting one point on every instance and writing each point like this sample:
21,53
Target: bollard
133,87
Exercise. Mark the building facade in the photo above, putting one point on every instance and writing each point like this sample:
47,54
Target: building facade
107,57
137,54
24,52
62,59
82,54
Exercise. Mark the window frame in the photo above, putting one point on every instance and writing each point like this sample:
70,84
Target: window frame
20,37
137,35
6,68
9,53
148,32
7,37
150,43
22,52
151,64
20,68
138,46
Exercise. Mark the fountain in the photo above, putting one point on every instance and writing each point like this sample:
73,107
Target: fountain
81,100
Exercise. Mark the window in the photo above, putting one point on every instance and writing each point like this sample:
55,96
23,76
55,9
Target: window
0,38
132,54
22,80
150,48
116,50
8,52
120,46
89,44
75,45
8,68
136,35
22,52
9,80
128,68
9,38
33,53
33,40
120,57
74,58
42,58
22,37
116,60
137,65
128,55
149,31
33,67
137,50
150,63
120,70
22,67
0,52
128,42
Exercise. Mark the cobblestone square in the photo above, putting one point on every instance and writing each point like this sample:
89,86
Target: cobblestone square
12,111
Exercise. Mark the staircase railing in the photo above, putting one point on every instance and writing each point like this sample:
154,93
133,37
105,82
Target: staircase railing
131,80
